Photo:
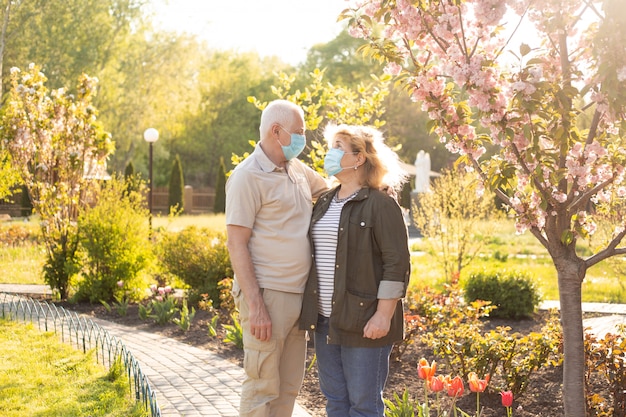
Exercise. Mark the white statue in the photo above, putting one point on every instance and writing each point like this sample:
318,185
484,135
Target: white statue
422,172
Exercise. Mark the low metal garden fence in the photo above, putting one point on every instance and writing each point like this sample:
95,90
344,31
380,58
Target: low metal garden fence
83,334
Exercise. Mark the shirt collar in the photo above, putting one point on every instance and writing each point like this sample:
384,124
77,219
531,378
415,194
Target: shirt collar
265,162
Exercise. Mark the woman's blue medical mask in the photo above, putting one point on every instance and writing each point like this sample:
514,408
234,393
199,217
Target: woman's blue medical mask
298,142
332,161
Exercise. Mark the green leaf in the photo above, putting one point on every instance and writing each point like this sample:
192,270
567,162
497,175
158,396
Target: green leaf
567,237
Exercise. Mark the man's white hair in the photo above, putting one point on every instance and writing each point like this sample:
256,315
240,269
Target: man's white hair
278,111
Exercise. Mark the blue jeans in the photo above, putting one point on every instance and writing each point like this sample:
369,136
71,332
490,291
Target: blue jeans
351,378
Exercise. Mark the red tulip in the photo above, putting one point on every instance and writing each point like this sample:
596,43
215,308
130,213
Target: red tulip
436,384
455,386
475,384
426,371
507,398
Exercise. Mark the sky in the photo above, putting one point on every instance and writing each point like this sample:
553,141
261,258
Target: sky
283,28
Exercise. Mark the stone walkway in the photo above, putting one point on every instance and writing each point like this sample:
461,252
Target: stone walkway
188,381
193,382
613,315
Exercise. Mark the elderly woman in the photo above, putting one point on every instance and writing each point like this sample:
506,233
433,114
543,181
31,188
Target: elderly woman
360,272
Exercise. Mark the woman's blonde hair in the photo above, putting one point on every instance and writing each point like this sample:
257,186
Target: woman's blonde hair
382,166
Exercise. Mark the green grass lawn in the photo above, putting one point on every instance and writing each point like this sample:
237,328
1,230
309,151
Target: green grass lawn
41,376
211,221
503,249
21,264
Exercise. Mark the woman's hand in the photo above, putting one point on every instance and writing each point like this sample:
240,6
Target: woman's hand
378,326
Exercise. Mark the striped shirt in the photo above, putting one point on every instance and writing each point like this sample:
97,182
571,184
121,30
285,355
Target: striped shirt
324,234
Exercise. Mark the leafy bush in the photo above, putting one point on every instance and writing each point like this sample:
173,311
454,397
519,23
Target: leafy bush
62,263
17,234
448,217
27,205
186,317
454,330
219,206
177,184
512,292
606,365
199,257
114,238
234,332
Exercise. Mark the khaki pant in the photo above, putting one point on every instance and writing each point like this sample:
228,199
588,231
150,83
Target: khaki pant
274,369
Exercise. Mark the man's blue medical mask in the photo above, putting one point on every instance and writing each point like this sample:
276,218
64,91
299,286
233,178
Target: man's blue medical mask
298,142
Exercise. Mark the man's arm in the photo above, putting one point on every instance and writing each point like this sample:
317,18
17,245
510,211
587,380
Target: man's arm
260,320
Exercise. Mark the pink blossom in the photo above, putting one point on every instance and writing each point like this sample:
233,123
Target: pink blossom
521,142
358,30
480,189
545,143
612,129
392,68
598,97
521,226
489,12
560,197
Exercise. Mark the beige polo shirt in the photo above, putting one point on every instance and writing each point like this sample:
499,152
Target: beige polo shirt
276,204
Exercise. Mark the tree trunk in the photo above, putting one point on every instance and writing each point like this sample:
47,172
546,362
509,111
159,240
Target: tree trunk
571,273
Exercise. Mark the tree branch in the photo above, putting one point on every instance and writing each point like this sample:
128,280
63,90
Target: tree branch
519,23
609,251
575,206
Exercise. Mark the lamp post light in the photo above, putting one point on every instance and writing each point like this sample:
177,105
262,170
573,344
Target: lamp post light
150,135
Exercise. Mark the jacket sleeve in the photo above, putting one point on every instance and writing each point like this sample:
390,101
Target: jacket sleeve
391,235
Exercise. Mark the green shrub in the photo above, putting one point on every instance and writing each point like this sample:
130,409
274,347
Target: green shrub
18,234
114,238
455,332
606,365
199,257
186,317
219,206
177,185
513,293
26,204
449,215
132,179
62,263
234,332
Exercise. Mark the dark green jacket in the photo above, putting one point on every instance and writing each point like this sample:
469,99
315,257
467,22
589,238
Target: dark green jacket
373,262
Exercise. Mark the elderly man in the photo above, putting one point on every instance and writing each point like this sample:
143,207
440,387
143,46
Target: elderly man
268,210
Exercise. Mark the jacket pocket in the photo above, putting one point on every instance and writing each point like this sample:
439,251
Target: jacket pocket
355,312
